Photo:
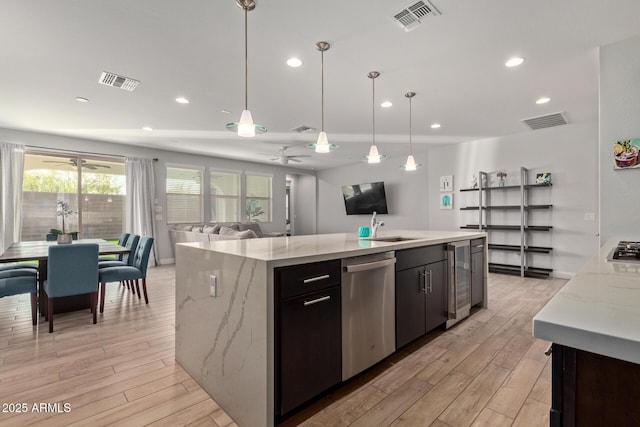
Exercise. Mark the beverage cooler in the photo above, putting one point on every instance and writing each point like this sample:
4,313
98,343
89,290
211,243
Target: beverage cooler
459,295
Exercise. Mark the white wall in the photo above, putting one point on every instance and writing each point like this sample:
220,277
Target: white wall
619,120
568,152
35,139
406,195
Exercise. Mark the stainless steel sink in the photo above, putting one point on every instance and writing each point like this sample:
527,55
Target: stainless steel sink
390,239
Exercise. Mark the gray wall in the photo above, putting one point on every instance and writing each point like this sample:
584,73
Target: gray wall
407,195
619,120
304,205
165,251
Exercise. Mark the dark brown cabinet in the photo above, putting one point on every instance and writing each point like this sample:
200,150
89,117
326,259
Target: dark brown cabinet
421,292
308,332
477,271
589,389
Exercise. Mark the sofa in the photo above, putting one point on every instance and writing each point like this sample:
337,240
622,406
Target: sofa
187,233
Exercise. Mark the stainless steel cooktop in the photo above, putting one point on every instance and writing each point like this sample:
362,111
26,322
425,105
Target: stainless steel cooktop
626,251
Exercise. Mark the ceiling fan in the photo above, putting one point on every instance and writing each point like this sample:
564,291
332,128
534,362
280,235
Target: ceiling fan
283,158
74,162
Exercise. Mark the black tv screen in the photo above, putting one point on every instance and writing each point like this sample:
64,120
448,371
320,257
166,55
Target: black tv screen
367,198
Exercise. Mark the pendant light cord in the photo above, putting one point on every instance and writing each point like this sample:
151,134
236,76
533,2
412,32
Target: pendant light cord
246,63
373,109
410,144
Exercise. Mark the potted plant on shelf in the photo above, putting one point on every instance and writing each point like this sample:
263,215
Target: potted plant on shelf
502,176
63,210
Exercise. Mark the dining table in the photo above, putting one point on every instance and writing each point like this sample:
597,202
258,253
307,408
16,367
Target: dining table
39,251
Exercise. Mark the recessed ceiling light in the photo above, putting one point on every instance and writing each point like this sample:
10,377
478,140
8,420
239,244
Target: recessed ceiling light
435,126
514,62
294,62
386,104
81,99
182,100
543,100
147,128
225,111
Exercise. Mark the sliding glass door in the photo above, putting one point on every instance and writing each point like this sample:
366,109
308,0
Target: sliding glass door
93,186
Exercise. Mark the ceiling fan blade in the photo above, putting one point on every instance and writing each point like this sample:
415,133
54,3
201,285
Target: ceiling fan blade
95,166
293,159
299,155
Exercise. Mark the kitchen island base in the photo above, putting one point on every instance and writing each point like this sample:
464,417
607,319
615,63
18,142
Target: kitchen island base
590,389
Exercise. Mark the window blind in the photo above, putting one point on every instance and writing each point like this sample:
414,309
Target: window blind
258,197
225,196
184,195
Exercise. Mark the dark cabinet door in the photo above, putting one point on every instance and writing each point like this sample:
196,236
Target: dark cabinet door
477,277
436,301
310,346
410,305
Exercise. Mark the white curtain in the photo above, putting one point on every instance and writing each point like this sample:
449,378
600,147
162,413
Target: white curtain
140,199
11,170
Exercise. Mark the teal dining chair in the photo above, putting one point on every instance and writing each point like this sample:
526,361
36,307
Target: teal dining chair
122,240
131,243
72,270
21,281
19,266
134,272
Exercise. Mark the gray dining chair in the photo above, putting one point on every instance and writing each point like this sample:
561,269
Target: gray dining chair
73,270
21,281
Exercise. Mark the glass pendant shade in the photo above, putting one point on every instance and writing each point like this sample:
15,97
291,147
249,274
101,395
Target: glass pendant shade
322,144
246,127
374,156
411,164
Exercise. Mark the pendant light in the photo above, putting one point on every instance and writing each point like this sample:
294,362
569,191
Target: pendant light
322,144
245,127
374,156
411,164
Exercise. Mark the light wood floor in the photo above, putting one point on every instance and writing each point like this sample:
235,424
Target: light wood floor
485,371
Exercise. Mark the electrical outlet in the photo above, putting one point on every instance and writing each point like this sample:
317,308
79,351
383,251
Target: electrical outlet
213,285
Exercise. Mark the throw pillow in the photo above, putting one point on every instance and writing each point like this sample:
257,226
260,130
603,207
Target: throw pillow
209,229
247,234
253,226
197,228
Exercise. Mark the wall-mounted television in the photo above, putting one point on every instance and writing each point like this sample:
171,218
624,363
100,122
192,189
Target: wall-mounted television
361,199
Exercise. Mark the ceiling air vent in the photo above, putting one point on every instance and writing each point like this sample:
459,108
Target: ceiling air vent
112,79
303,129
412,15
551,120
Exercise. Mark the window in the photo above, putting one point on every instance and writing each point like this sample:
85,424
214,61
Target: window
225,196
258,198
93,186
184,195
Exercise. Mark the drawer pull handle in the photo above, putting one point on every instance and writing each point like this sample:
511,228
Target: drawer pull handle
549,351
315,279
317,300
478,246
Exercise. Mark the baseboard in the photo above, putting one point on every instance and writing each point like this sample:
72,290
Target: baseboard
166,261
562,275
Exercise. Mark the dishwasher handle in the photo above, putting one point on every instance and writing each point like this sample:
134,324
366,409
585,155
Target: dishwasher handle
354,268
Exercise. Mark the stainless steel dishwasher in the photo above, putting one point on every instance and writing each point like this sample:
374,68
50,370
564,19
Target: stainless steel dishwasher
368,311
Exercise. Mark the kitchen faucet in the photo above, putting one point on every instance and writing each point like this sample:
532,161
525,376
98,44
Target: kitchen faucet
375,223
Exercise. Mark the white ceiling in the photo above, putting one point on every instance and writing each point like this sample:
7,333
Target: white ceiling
54,51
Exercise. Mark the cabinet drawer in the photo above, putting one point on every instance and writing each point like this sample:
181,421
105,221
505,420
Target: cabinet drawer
409,258
301,279
477,245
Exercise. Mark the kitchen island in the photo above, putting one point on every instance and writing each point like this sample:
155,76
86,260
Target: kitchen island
594,325
225,311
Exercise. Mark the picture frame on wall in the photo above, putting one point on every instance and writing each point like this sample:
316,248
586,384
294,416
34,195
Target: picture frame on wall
446,183
446,201
626,154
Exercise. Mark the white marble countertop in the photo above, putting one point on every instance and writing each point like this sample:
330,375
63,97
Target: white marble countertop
598,310
318,247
